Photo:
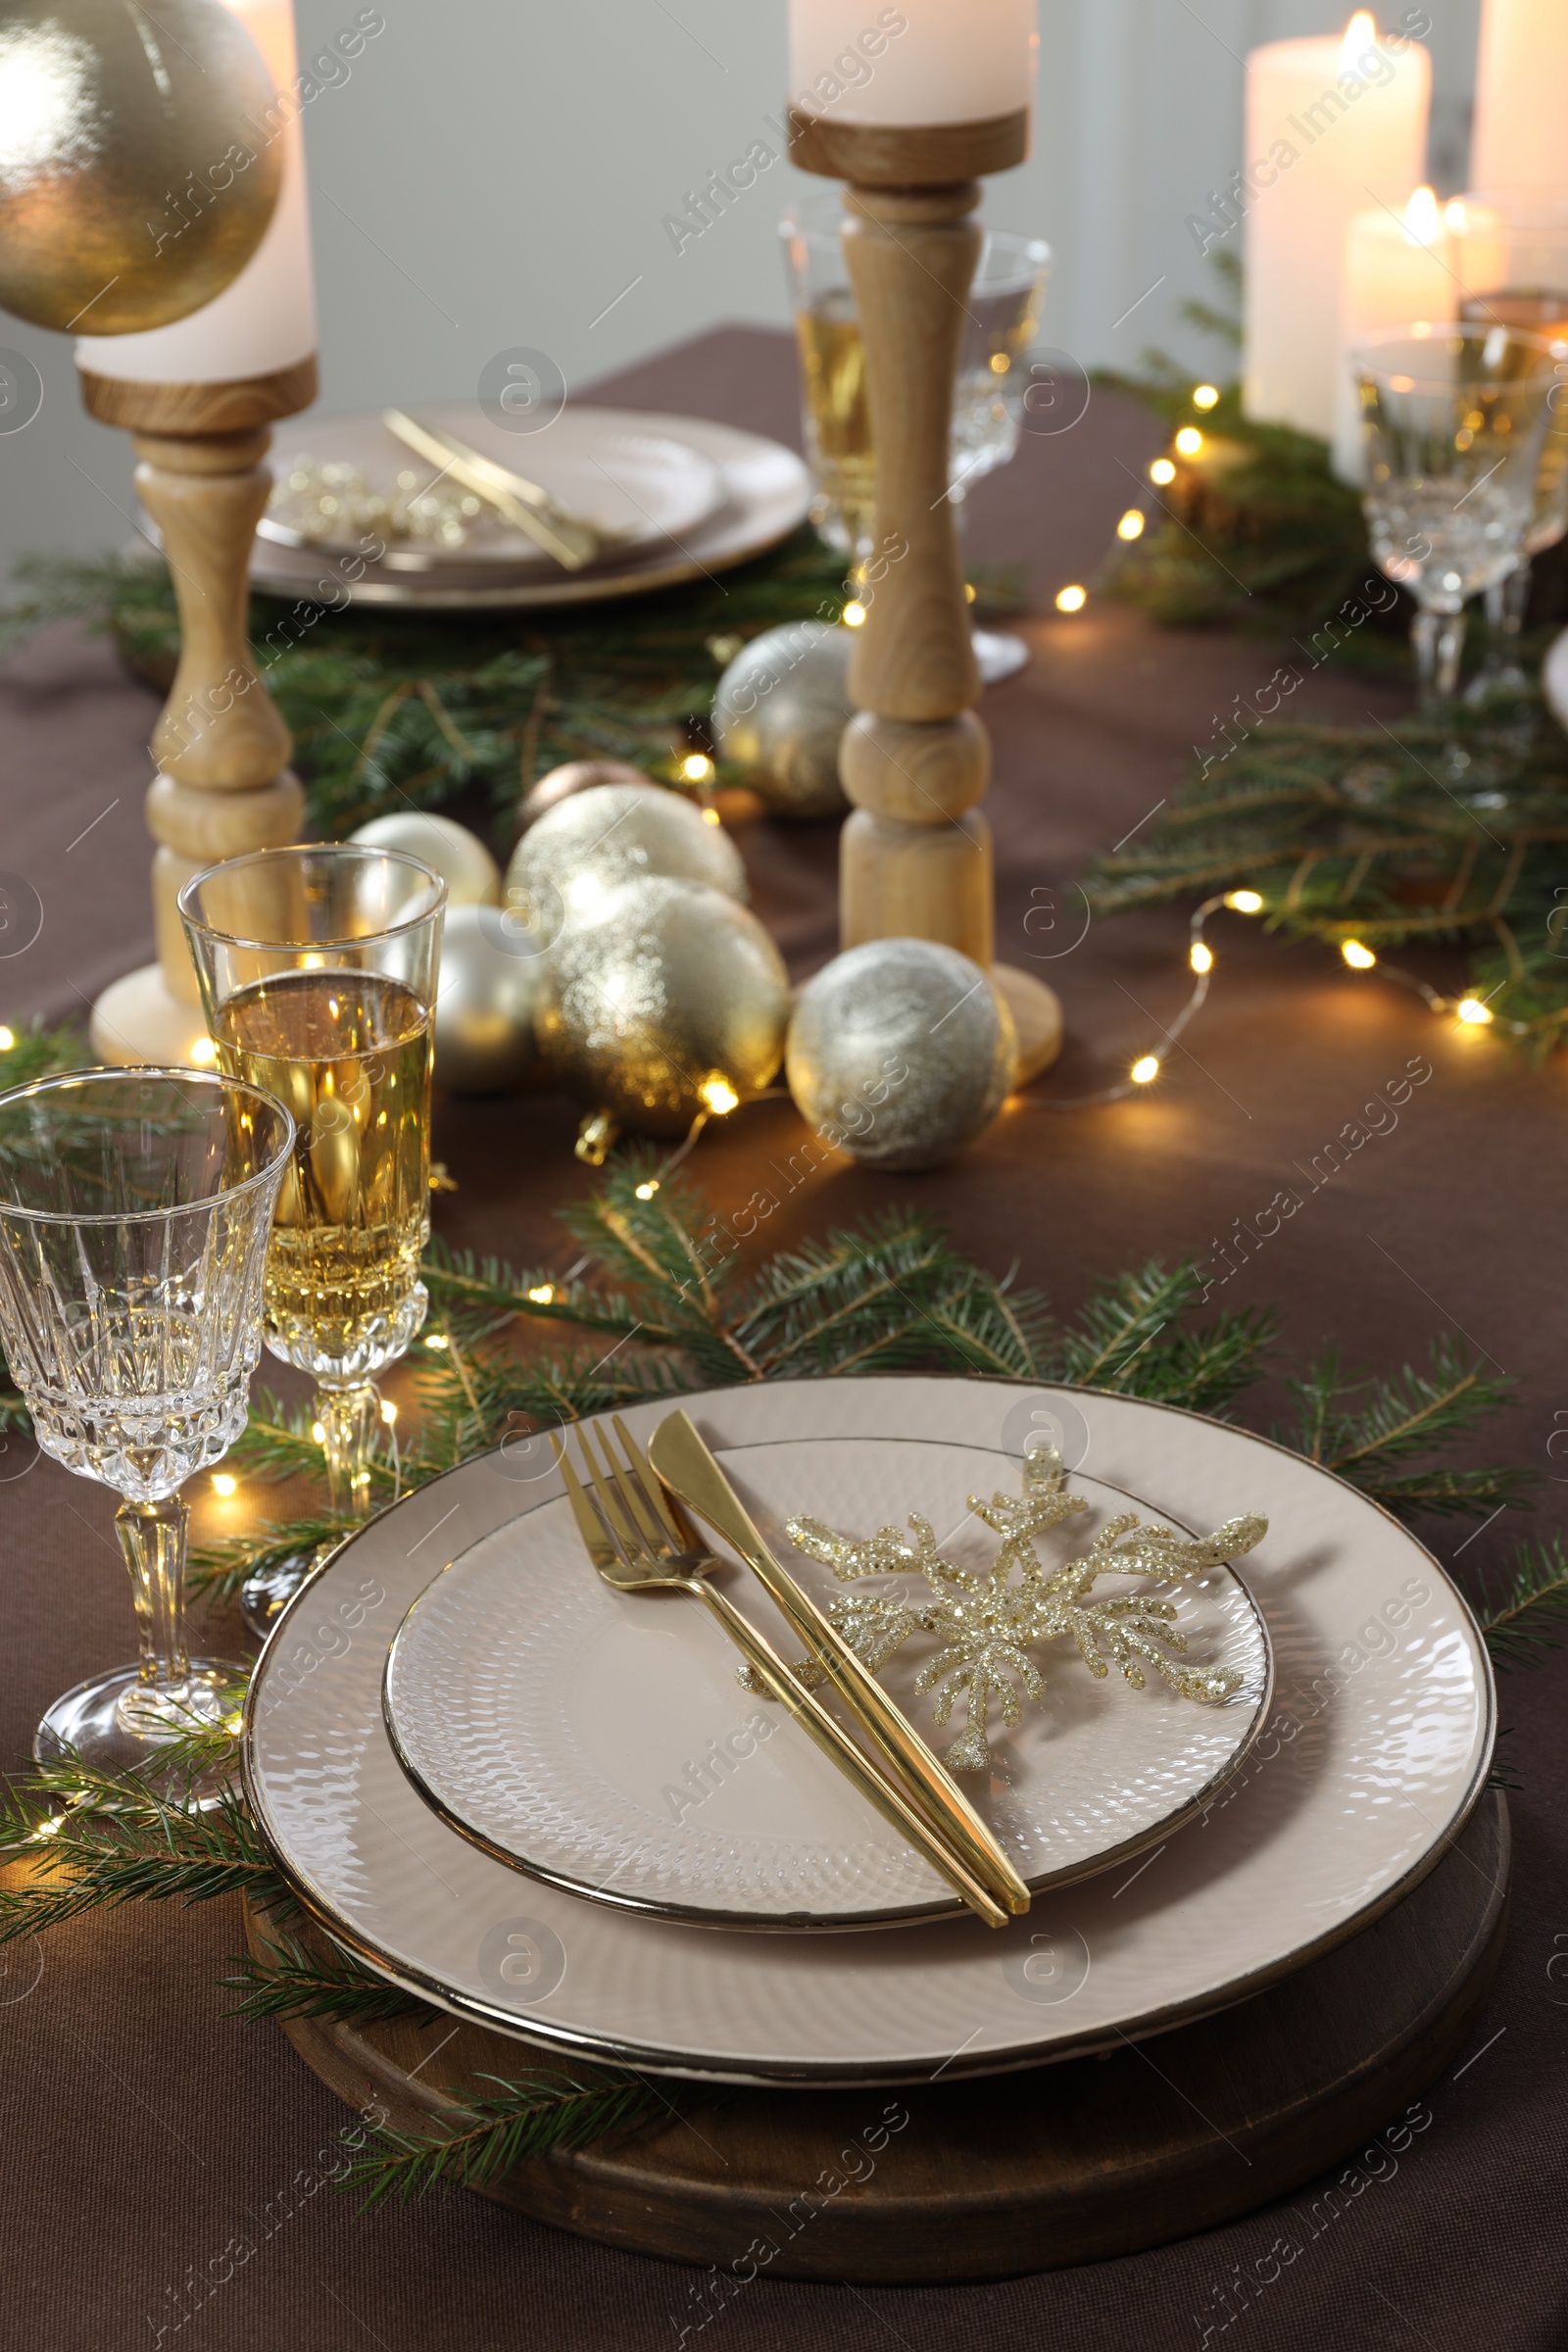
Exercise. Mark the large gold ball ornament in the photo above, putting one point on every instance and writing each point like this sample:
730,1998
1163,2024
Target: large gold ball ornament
779,711
901,1052
672,1000
138,171
489,993
460,858
568,865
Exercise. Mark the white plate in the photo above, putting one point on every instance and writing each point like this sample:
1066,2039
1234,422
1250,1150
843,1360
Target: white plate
1375,1752
647,487
766,494
599,1739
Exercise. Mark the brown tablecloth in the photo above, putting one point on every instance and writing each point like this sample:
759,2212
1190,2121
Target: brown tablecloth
139,2132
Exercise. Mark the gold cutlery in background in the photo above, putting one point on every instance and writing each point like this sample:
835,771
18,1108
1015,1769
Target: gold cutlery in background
640,1545
569,538
687,1468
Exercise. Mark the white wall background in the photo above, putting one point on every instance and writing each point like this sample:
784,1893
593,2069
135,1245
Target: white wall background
495,173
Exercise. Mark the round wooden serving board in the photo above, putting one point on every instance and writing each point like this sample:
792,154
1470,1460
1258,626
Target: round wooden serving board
1007,2174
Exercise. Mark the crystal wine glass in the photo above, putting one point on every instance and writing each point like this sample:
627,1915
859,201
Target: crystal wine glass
317,968
1511,255
1001,319
134,1210
1454,417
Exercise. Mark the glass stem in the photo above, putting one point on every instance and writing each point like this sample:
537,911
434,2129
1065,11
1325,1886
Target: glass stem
1514,595
152,1537
350,1418
1439,641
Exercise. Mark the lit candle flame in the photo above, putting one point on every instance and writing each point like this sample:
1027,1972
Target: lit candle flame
1361,34
1423,221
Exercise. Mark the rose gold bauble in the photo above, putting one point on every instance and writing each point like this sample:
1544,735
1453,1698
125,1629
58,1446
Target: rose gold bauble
138,171
579,775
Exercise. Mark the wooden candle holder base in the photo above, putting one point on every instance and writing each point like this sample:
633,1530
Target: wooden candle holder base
222,785
915,860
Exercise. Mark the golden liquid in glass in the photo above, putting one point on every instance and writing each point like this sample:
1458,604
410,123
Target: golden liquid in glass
350,1054
833,372
1538,310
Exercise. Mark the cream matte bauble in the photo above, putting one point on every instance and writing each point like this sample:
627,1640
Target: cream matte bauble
674,1000
579,775
901,1051
466,868
778,714
137,173
566,867
491,984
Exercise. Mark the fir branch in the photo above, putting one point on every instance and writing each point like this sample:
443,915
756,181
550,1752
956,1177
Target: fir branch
1525,1616
122,1841
484,2138
217,1570
292,1981
1367,1426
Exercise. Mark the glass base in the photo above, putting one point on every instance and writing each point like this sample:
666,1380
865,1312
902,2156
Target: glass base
117,1723
263,1597
999,655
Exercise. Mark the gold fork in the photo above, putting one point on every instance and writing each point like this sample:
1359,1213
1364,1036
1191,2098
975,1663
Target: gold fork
639,1546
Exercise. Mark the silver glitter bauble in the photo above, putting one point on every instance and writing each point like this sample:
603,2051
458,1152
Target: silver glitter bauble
902,1053
579,775
466,868
778,714
566,867
674,1000
491,985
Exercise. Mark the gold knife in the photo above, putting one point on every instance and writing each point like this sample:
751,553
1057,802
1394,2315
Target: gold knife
572,541
684,1464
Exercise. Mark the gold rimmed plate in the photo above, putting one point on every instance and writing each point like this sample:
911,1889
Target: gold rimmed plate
1374,1751
601,1742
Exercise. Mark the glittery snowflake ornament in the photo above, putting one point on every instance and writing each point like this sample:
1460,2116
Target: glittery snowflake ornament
988,1622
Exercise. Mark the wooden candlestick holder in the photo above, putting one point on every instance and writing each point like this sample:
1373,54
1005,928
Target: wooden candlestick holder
916,861
224,785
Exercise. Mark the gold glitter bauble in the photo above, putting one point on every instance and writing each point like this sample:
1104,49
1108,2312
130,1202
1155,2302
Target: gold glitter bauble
901,1051
138,171
674,1000
566,866
779,711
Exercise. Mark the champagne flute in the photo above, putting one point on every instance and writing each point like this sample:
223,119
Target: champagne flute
1454,417
317,968
134,1210
1511,255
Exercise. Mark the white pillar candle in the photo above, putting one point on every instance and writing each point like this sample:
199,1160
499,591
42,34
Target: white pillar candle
1332,126
1396,271
265,320
924,61
1521,90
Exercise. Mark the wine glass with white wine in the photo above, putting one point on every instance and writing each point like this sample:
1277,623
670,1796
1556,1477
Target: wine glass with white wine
317,968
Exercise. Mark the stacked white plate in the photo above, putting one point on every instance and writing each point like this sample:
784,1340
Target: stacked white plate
681,498
537,1801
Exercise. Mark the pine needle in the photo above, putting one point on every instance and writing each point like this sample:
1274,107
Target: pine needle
1525,1614
485,2139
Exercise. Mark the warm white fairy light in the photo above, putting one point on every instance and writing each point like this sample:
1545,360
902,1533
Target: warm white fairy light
1131,526
718,1095
319,1433
543,1294
1358,954
1473,1012
1244,901
855,614
1145,1069
1189,441
698,769
1163,471
8,1039
646,1192
389,1411
202,1053
437,1340
1071,599
1201,955
225,1483
1205,396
